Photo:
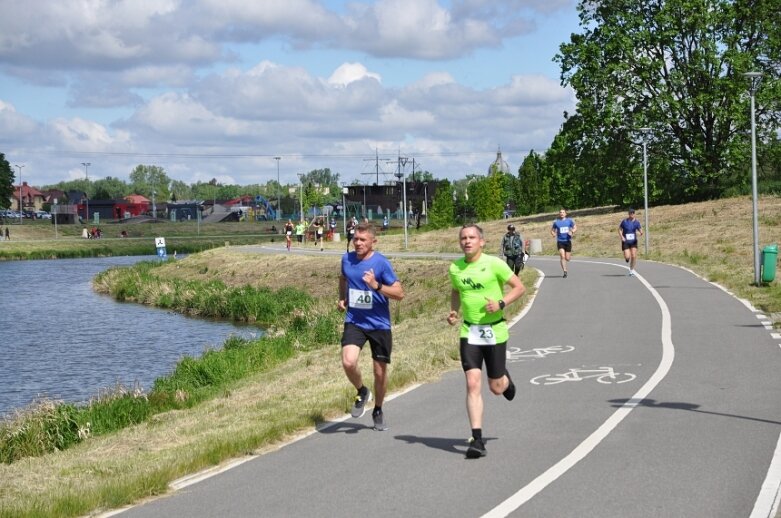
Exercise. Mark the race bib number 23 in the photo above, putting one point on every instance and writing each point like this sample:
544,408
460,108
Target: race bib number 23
481,335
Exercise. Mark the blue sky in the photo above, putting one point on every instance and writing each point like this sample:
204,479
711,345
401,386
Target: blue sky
217,88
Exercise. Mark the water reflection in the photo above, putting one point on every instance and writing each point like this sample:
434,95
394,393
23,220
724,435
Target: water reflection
62,340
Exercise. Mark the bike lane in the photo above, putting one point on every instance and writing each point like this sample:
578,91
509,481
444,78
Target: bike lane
700,443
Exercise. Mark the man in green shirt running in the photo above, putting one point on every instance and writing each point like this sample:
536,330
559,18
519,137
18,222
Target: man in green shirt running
478,280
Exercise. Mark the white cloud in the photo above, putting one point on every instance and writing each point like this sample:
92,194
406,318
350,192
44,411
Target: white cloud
351,72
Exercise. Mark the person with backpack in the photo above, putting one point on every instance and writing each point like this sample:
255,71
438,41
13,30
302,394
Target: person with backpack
513,249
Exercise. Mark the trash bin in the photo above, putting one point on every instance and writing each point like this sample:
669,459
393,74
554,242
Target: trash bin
769,257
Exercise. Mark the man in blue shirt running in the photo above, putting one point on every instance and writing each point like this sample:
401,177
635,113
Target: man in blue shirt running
366,285
563,229
629,230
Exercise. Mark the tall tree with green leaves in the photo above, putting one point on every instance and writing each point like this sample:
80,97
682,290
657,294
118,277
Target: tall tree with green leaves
110,188
147,178
441,214
6,182
532,189
676,67
487,196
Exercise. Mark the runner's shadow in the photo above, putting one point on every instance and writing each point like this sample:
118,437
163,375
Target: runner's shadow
342,427
691,407
458,446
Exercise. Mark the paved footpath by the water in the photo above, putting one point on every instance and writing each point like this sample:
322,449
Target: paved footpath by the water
648,396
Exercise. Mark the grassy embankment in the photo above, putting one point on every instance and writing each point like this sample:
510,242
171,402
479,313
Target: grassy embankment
38,239
253,413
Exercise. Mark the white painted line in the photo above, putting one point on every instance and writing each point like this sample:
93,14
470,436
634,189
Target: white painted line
769,497
760,316
593,440
775,336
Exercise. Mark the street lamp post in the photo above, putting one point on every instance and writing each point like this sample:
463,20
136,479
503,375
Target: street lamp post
344,210
21,205
300,197
400,176
279,206
86,194
754,77
645,132
425,200
55,218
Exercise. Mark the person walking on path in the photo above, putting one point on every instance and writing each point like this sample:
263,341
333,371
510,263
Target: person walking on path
300,231
366,285
289,229
319,232
563,230
513,249
350,230
478,281
628,230
7,234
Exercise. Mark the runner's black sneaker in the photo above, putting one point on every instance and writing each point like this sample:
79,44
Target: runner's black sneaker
359,408
565,275
379,421
509,392
476,449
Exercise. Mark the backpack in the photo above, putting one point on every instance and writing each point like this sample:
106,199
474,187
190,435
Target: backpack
512,245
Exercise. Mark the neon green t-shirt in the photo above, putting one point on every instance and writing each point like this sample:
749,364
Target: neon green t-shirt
484,278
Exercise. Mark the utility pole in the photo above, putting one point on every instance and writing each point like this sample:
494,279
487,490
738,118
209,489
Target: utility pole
279,207
86,194
21,205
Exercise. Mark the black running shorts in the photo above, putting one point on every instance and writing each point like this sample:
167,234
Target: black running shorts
380,340
495,356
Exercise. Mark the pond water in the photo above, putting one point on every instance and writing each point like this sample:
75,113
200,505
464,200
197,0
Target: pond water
61,340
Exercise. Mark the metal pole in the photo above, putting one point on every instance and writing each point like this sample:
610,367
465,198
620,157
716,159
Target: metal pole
154,207
300,197
21,205
754,78
86,194
55,219
344,212
646,232
404,186
279,206
425,199
645,192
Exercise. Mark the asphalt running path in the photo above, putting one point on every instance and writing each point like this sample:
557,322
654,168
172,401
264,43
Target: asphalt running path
676,414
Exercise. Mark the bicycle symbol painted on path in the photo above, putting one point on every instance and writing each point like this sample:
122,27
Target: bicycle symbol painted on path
515,354
602,374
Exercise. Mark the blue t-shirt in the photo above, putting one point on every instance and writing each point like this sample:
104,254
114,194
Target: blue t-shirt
366,308
563,226
630,227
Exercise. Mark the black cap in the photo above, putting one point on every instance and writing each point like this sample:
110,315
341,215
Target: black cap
510,227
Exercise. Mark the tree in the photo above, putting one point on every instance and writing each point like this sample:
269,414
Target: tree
7,178
147,178
676,67
441,214
181,191
532,190
109,189
487,196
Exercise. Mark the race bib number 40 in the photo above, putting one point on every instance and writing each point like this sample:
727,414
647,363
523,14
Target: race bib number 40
360,299
481,335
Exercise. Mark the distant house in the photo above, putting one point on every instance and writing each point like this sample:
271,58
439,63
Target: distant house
31,198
